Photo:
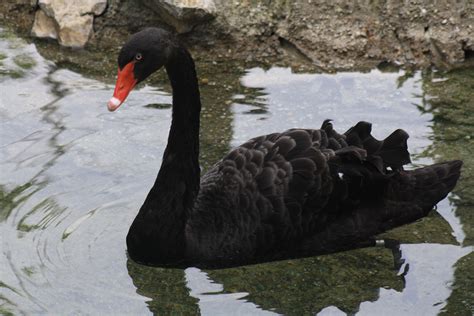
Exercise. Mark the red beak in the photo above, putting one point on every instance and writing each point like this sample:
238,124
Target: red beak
125,83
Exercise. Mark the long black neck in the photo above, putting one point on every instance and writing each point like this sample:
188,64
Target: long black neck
157,233
181,157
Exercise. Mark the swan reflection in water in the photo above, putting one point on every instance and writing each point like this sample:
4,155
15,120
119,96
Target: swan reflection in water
361,281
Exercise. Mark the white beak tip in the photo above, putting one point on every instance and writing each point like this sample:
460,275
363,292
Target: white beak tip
113,104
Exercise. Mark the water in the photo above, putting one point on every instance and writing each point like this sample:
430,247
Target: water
73,176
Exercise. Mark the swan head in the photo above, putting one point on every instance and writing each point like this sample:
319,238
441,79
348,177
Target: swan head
144,53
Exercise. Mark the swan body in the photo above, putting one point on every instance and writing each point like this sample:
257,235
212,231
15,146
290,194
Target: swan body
298,193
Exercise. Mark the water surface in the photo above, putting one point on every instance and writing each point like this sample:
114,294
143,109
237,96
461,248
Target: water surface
74,175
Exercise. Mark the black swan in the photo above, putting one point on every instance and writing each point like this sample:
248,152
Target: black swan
298,193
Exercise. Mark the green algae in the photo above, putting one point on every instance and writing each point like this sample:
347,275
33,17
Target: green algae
7,307
158,106
9,200
450,98
166,289
306,286
29,271
8,34
12,73
451,101
461,300
24,61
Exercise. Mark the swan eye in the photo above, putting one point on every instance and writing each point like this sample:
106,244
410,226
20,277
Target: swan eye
138,57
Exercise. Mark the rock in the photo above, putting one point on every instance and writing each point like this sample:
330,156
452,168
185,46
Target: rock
75,32
31,3
330,35
44,26
183,15
69,21
61,8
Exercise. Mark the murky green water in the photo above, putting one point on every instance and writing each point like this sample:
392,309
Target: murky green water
73,176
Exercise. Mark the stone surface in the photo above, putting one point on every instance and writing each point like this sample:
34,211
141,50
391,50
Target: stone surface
69,21
340,34
31,3
75,32
329,35
183,15
44,26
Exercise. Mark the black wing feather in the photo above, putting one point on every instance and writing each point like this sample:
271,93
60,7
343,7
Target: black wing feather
307,191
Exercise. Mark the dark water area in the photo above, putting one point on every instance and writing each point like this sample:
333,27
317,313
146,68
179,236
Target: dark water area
73,176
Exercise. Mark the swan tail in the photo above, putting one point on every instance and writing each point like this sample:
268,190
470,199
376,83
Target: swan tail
412,194
393,150
405,197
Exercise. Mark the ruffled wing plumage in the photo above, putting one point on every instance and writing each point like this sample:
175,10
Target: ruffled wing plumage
299,192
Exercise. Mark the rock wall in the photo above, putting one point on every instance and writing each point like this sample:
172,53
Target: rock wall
326,34
347,34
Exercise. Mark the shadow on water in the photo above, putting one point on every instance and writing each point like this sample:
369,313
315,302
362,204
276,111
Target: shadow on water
73,177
